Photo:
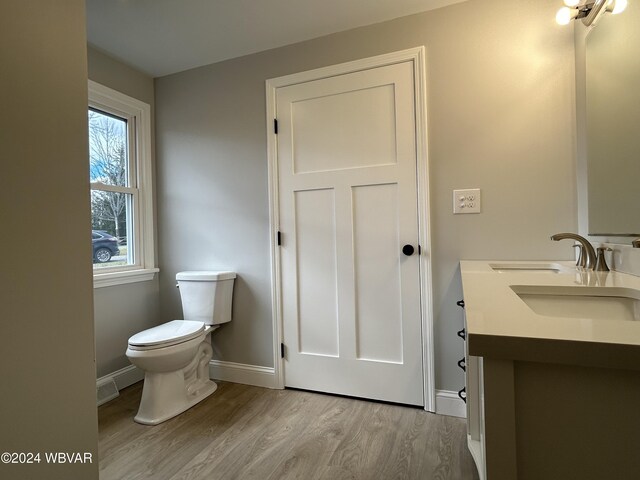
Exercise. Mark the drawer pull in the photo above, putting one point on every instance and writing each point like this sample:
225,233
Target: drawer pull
460,303
462,334
463,394
462,364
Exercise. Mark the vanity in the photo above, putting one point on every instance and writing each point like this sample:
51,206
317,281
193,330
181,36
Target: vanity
552,371
552,352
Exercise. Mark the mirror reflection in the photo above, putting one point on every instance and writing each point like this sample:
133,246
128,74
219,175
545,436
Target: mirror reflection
613,121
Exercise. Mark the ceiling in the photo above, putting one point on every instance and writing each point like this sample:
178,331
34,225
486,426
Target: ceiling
161,37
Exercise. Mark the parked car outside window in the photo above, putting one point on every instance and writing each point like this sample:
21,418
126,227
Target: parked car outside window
105,246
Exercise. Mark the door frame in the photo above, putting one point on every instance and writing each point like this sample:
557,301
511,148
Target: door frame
417,57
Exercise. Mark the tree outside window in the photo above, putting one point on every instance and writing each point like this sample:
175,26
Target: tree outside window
108,165
110,181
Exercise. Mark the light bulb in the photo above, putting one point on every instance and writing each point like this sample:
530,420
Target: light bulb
571,3
616,6
565,14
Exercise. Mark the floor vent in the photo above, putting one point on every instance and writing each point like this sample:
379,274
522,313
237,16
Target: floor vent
107,390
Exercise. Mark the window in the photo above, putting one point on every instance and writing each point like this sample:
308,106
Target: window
121,190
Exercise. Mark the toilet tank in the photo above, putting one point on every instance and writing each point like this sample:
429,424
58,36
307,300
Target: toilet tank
206,296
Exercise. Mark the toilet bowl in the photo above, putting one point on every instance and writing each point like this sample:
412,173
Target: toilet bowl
175,356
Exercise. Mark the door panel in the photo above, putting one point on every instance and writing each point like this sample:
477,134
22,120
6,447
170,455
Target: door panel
348,203
316,262
377,274
320,146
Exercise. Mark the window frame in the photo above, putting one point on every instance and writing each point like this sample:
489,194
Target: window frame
138,116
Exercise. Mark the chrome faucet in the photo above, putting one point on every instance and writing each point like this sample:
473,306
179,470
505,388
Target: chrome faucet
582,256
636,243
587,248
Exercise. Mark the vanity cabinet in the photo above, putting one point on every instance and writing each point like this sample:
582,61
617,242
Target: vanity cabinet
475,411
549,397
473,397
553,421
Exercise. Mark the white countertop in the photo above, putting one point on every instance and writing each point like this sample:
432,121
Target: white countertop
501,325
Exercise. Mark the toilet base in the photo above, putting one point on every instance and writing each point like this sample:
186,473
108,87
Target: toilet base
167,394
162,399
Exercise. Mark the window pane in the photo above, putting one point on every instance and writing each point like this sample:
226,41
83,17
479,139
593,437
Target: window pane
108,151
111,229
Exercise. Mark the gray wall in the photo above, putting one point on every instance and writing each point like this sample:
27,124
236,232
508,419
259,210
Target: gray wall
500,81
47,366
122,310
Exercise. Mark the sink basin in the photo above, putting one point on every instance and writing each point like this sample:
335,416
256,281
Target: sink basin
596,303
527,267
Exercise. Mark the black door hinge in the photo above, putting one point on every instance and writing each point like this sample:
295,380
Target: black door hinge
282,350
279,237
419,250
275,126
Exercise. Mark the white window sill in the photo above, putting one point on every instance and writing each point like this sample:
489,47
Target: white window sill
109,279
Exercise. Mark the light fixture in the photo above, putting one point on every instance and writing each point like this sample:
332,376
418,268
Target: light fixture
616,6
566,14
588,12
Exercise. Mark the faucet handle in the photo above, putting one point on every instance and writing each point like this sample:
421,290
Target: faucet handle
588,252
601,261
582,257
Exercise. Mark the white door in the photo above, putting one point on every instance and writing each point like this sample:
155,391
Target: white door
346,150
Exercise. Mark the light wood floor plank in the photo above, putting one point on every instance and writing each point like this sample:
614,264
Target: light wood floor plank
366,449
250,433
253,446
318,441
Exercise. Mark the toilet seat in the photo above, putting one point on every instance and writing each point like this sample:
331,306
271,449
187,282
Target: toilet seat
166,335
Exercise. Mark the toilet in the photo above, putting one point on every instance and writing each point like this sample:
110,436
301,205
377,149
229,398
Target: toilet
175,356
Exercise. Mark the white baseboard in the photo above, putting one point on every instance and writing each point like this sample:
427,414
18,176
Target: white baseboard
242,373
108,386
124,377
449,403
219,370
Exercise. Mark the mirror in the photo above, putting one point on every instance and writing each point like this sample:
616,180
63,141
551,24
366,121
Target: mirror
612,126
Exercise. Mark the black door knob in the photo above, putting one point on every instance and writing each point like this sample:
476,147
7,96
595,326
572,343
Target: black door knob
408,250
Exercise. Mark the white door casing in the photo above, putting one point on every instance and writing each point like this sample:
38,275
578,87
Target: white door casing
348,190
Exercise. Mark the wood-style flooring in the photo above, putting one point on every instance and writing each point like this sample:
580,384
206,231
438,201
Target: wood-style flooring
251,433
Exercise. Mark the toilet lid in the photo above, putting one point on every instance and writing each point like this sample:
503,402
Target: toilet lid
173,332
205,276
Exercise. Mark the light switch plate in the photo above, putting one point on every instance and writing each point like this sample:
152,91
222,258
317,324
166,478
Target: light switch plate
466,201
